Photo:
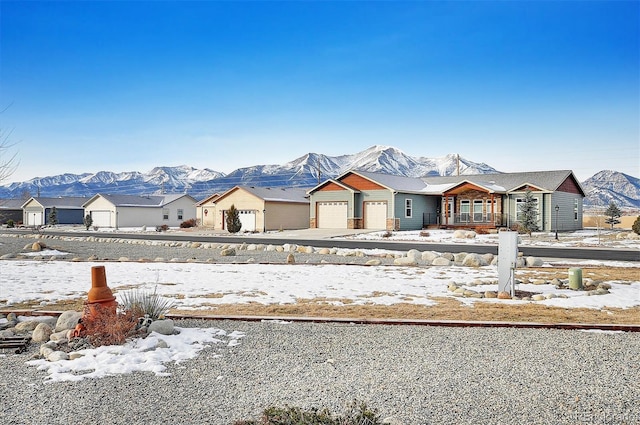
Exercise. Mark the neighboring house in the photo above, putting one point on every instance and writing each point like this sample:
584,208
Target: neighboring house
364,200
205,211
260,208
118,211
36,210
11,209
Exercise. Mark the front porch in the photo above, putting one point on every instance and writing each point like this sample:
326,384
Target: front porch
489,221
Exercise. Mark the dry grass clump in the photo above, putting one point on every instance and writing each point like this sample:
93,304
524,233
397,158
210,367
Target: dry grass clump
108,328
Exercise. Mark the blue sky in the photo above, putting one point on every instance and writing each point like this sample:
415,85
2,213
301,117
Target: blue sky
126,86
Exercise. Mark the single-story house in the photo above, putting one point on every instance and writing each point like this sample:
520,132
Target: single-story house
205,211
366,200
11,209
37,210
118,211
260,208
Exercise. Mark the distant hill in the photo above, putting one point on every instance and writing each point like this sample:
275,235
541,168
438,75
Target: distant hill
609,186
306,171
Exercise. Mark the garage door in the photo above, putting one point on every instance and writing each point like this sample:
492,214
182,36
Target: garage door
248,220
34,219
332,215
375,215
101,218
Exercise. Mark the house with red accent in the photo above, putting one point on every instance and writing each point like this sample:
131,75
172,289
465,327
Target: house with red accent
366,200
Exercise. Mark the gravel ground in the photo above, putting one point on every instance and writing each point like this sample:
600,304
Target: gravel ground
108,249
412,374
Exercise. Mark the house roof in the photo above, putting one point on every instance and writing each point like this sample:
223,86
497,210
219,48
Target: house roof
507,182
496,183
66,202
139,200
278,194
391,182
210,198
11,204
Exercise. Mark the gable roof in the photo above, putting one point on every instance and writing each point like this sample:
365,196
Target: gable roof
278,194
210,198
545,180
66,202
11,204
336,182
396,183
150,201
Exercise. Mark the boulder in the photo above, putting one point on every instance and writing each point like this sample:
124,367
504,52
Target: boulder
459,257
67,320
291,259
373,262
429,256
414,254
228,252
503,295
441,261
534,262
404,261
163,327
474,260
27,326
41,333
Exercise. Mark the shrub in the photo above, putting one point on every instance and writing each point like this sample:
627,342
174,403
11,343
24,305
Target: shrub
107,328
188,223
425,234
357,414
636,226
88,221
162,228
142,304
481,231
387,234
10,223
233,220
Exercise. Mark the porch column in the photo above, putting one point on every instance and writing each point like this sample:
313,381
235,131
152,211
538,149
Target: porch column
493,214
446,210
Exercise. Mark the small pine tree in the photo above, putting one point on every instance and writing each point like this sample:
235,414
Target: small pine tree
88,221
233,220
613,213
636,226
53,216
529,211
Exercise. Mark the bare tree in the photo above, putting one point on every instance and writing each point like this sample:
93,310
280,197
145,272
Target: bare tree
8,161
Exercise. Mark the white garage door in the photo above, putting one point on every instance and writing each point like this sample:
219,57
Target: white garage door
101,218
375,215
332,215
34,219
248,220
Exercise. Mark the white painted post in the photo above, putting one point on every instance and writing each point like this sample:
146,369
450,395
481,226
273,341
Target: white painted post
507,256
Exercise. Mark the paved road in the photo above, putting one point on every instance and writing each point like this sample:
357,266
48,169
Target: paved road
330,238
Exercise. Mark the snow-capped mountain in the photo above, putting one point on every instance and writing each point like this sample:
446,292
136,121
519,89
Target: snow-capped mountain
305,171
609,186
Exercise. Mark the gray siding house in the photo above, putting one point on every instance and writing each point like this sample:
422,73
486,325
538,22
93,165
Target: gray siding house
365,200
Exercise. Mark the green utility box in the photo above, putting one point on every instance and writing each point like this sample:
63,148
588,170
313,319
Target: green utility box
575,278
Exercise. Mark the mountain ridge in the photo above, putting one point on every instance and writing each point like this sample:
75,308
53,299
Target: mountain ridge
305,171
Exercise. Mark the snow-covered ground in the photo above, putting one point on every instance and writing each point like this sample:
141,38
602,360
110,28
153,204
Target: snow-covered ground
202,286
585,238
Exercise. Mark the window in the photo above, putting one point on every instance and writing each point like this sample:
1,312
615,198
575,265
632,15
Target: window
575,209
408,208
489,211
520,202
477,210
165,214
180,214
465,209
